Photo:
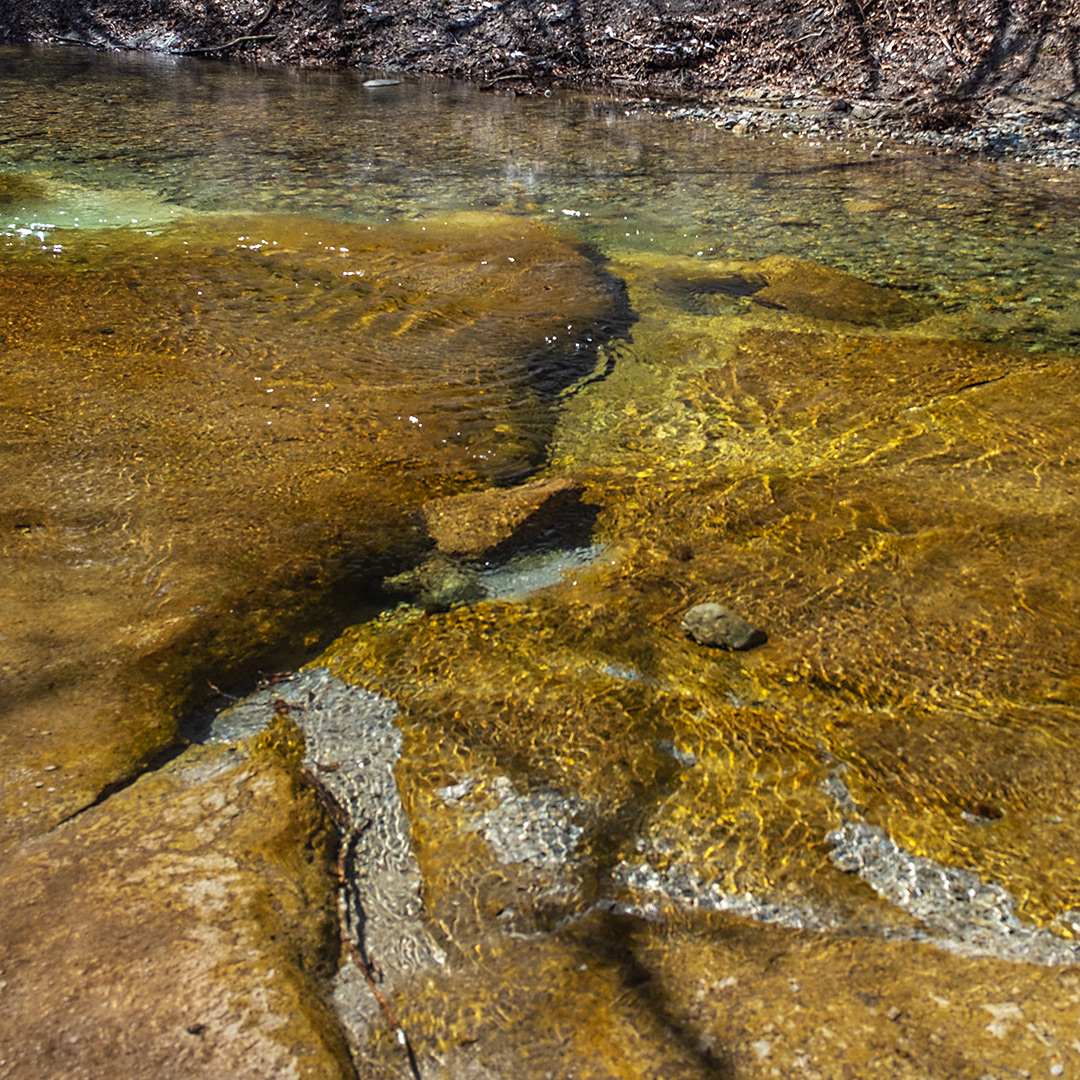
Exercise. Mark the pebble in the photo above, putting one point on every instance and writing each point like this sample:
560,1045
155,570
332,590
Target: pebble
714,624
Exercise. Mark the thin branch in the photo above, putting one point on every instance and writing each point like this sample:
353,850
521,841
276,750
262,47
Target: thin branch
348,833
948,48
79,41
364,963
226,45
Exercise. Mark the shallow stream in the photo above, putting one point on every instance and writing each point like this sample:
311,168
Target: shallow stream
832,385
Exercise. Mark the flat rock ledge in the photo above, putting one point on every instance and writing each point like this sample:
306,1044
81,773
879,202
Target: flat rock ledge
498,521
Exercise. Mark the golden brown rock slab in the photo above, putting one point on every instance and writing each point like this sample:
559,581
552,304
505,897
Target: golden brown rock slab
788,287
768,1002
182,928
204,432
819,292
900,513
686,997
475,524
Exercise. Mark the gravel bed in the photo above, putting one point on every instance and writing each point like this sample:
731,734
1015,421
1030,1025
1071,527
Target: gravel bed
1020,135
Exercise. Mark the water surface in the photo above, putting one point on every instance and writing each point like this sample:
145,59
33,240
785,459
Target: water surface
255,322
139,140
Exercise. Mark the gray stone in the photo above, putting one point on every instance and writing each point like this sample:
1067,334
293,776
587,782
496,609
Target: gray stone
714,624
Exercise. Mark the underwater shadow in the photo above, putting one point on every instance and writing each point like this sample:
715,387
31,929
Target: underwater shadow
611,941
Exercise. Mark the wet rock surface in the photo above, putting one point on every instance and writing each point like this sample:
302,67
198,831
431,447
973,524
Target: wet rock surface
438,583
576,842
184,927
496,522
818,292
249,411
298,438
972,916
560,799
866,491
539,888
352,746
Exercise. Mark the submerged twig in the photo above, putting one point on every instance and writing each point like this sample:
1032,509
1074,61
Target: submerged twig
348,833
363,962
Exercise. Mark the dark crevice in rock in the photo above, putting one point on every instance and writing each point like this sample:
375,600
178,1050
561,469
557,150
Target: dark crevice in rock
158,761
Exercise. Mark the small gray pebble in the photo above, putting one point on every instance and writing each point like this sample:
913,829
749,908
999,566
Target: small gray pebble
714,624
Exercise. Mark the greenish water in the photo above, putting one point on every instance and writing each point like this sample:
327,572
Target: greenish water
131,140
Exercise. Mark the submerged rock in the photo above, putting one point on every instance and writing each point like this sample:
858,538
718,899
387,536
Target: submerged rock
209,435
483,523
208,430
903,510
714,624
799,287
438,583
819,292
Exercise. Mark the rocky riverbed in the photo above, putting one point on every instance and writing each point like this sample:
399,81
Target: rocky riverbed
1040,133
415,505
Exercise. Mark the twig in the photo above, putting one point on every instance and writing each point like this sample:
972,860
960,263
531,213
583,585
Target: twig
221,693
348,833
502,78
948,48
226,45
364,963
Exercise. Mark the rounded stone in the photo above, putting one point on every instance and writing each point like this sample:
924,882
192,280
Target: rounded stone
713,624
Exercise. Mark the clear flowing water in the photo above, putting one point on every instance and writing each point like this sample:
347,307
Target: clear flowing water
120,140
256,319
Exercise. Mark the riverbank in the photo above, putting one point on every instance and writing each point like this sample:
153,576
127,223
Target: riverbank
1007,133
999,80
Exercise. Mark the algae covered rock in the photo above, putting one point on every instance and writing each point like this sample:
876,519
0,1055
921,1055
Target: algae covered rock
819,292
781,283
879,802
209,435
208,431
714,624
438,583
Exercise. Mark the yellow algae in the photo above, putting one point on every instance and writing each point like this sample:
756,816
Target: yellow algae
574,1002
770,1002
894,512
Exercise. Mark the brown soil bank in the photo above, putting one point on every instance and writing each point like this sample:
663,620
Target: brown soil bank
940,64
